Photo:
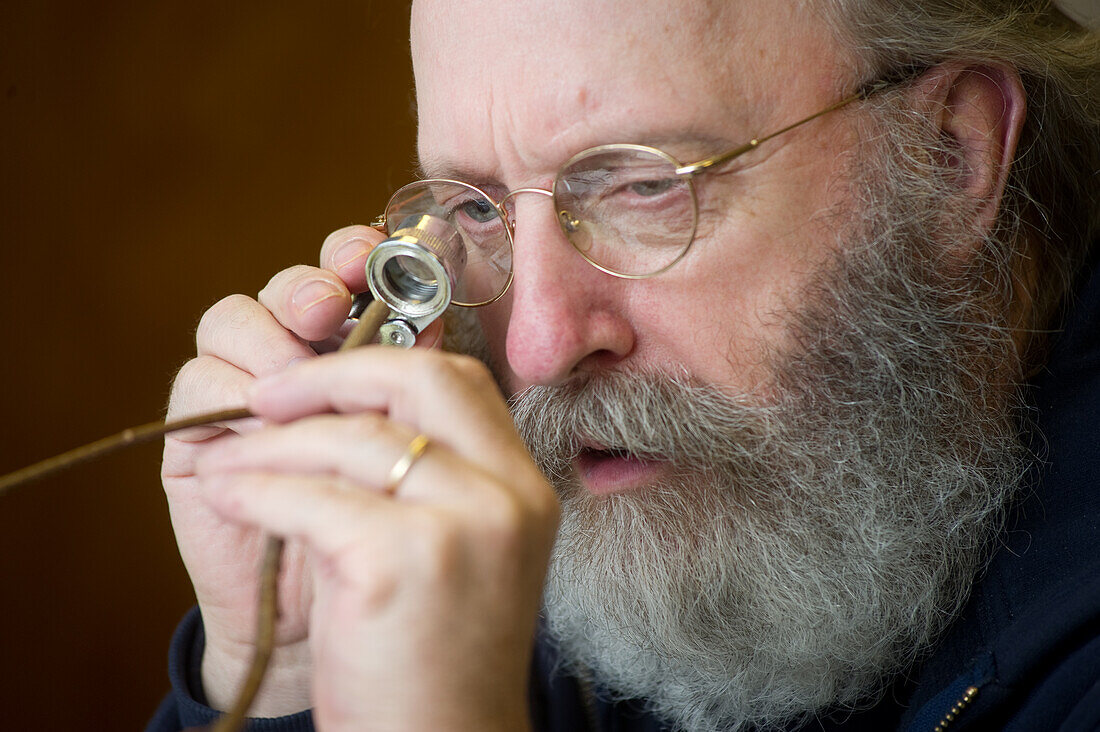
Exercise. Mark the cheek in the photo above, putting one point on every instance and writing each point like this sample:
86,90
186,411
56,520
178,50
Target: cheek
726,306
494,324
708,322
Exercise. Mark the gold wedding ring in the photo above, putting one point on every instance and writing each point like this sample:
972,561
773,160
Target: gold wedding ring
401,468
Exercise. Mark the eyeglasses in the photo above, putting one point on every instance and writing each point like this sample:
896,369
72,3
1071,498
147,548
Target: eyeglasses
630,210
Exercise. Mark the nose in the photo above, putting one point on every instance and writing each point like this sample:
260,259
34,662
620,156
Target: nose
566,316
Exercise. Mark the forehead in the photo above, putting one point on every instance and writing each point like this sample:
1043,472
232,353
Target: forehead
509,90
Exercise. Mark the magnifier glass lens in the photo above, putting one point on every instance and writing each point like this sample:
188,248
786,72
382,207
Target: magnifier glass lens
410,278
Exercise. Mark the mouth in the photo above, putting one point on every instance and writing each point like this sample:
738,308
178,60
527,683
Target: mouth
608,470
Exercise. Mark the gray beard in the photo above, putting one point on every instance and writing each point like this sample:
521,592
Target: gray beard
810,545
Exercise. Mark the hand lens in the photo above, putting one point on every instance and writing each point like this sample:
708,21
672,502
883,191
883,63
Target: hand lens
414,272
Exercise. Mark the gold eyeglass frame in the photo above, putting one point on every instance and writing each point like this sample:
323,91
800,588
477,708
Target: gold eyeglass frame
687,172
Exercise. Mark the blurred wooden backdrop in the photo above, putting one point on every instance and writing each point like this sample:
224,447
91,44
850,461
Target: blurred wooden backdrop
154,157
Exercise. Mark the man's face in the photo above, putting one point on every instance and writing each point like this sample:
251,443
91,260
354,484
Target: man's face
507,93
813,381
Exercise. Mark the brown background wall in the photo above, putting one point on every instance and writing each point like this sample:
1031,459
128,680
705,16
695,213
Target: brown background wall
154,156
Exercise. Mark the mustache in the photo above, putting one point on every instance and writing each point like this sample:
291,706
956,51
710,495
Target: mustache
647,415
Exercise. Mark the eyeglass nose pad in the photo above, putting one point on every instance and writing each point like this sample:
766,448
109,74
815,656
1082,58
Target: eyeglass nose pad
569,222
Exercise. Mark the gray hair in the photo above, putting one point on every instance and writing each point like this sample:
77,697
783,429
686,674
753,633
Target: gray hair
1050,214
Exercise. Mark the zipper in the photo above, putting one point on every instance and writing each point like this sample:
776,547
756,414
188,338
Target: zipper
961,704
584,681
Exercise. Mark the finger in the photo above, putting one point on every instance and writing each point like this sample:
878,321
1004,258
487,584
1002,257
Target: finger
317,509
430,337
204,385
242,332
453,399
363,448
345,253
308,301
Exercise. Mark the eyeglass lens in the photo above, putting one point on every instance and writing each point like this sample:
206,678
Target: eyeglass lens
625,209
488,246
622,207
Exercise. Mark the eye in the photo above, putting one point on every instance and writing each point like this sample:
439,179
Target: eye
478,210
655,187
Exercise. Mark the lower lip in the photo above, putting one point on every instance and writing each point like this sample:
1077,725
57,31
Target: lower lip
604,474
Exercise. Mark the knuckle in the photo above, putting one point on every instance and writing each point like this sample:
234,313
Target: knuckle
470,368
513,520
377,587
365,426
376,582
446,370
504,524
193,378
183,384
274,352
437,547
233,312
282,277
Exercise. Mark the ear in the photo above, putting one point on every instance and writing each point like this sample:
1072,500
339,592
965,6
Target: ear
981,109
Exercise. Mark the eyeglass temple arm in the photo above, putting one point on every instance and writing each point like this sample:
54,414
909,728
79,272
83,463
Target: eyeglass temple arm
702,165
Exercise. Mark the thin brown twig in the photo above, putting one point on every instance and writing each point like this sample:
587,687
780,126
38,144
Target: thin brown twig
363,332
131,436
267,616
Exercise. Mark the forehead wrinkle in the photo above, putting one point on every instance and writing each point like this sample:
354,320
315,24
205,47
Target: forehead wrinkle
531,136
514,120
518,157
684,143
717,82
583,117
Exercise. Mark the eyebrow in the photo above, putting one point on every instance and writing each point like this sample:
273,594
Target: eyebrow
688,147
438,167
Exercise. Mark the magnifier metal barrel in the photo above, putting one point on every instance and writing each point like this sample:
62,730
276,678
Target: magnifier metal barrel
414,271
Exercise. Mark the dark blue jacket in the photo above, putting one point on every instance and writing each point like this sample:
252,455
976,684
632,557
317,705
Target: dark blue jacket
1024,656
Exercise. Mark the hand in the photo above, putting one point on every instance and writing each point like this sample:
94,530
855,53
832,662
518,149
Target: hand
238,340
424,601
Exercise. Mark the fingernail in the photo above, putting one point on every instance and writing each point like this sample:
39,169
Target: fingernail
313,293
350,251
